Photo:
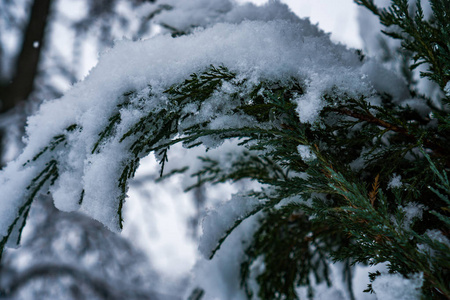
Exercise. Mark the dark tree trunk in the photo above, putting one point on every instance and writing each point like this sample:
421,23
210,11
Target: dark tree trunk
21,85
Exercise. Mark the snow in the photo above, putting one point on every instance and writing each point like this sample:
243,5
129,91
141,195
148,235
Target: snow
220,220
437,236
203,13
395,182
306,153
220,277
447,89
412,211
370,31
156,220
386,81
396,287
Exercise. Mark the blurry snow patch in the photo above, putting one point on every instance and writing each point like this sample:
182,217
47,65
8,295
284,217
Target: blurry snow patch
417,105
426,86
218,222
11,125
396,287
290,200
220,276
338,290
384,49
13,192
375,43
186,15
438,236
447,89
156,221
395,182
361,279
330,293
386,81
306,153
412,211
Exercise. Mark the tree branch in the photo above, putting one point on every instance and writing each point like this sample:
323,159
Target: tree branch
437,149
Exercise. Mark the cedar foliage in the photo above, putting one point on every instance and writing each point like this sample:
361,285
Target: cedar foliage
353,215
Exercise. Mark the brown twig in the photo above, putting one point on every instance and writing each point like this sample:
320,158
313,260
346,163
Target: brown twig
375,186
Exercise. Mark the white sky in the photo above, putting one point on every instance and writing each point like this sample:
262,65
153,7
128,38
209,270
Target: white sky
335,16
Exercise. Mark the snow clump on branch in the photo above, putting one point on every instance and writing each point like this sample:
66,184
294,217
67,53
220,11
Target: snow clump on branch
274,47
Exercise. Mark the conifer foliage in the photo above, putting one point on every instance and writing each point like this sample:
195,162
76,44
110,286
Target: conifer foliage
363,178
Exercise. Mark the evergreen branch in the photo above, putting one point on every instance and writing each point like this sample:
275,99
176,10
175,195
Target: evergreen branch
349,213
437,149
235,224
47,175
56,141
113,121
425,39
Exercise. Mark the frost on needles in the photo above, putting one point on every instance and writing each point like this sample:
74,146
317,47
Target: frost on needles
323,129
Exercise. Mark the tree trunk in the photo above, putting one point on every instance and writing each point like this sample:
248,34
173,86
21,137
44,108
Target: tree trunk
21,85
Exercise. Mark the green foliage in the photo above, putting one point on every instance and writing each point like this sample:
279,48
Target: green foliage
428,40
46,177
298,248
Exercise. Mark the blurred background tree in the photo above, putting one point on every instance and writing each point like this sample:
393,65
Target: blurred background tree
44,46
